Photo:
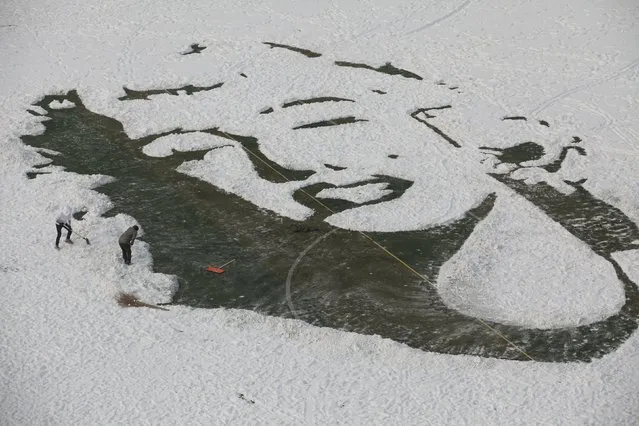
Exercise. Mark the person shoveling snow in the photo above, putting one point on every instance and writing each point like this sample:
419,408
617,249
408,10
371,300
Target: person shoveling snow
64,221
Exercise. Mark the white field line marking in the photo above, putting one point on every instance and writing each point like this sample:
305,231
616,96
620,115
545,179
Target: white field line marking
289,277
443,18
586,85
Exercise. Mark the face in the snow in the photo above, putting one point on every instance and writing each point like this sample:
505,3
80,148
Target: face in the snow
360,147
363,147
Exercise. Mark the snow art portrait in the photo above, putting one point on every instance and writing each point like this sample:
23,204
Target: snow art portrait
412,239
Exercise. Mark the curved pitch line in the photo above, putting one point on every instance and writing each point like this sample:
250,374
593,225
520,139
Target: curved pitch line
443,18
584,86
289,277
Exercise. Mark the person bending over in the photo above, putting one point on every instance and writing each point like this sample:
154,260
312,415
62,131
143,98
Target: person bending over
64,221
126,241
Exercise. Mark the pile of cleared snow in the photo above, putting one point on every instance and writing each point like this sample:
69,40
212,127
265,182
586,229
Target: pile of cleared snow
508,271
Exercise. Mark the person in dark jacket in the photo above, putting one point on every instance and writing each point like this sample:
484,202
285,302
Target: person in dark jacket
126,241
63,221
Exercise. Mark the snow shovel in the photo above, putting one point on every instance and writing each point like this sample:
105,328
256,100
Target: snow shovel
218,269
84,238
68,228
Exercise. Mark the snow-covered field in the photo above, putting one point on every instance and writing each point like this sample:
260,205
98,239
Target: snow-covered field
69,354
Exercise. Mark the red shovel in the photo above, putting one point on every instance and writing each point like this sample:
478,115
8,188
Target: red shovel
218,269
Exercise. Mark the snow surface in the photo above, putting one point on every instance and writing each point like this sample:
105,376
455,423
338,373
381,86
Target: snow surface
629,261
359,194
165,145
71,355
243,180
61,105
